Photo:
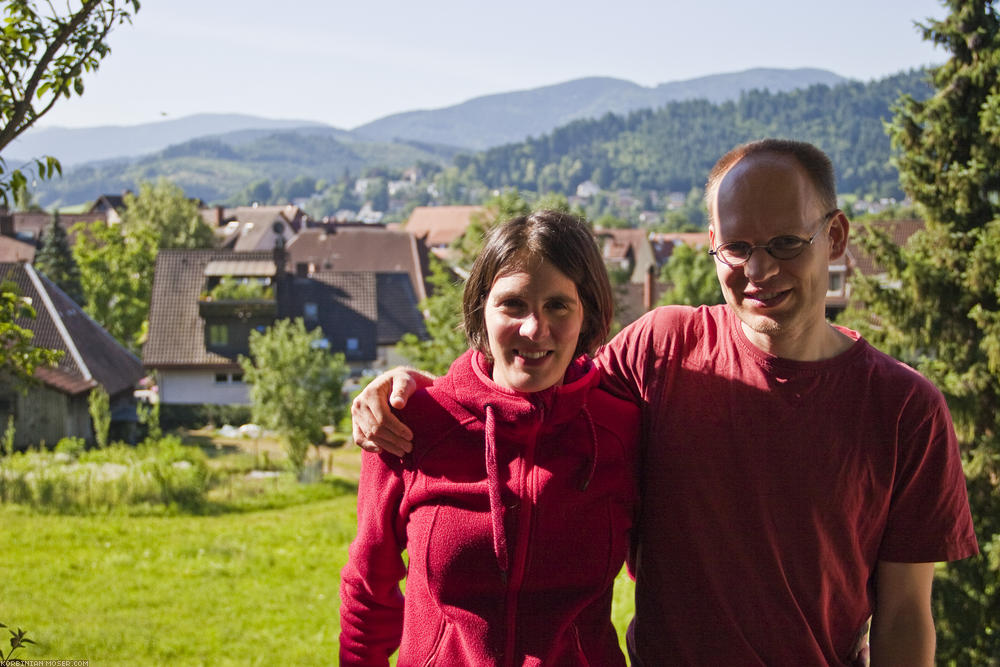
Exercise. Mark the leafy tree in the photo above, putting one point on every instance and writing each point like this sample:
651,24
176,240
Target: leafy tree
55,259
117,262
18,357
164,208
940,308
692,278
443,319
44,55
116,272
296,385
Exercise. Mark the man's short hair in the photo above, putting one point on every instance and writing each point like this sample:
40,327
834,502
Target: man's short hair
815,162
566,242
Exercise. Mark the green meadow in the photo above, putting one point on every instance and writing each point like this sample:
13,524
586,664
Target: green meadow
249,577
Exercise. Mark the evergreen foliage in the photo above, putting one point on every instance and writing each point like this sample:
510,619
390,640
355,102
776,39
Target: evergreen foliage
939,309
671,149
55,259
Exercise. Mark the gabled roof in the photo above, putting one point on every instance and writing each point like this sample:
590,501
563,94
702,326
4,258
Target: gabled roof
397,309
105,203
14,251
357,310
252,227
664,243
347,310
440,225
632,244
899,231
91,355
176,330
29,225
363,249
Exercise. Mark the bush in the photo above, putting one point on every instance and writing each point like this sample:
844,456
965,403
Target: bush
162,473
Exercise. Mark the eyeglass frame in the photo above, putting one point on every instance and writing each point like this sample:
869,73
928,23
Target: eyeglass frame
714,252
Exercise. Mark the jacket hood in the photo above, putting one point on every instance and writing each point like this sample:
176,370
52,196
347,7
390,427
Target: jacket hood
472,387
469,383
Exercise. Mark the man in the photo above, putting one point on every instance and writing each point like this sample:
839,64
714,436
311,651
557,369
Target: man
796,482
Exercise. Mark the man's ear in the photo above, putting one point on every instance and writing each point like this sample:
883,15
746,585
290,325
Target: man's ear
840,229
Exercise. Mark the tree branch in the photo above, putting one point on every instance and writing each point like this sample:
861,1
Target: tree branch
59,39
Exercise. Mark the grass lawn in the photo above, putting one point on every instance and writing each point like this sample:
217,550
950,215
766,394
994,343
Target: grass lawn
237,588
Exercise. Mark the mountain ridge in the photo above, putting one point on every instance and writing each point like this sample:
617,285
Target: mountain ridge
479,123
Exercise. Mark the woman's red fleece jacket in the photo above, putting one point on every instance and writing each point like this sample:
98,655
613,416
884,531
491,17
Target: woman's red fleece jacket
515,511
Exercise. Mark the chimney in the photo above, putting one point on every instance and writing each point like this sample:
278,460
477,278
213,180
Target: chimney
279,251
220,216
649,288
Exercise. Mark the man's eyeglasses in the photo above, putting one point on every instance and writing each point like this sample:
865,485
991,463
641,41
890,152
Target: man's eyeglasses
737,253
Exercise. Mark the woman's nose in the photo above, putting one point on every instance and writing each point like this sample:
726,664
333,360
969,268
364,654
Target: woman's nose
532,327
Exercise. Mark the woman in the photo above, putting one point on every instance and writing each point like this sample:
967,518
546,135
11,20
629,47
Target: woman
516,503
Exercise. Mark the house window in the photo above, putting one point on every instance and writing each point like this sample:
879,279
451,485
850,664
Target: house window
237,377
222,378
218,335
352,345
836,283
310,310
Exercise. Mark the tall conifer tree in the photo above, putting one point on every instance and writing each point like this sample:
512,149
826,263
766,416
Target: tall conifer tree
940,309
55,259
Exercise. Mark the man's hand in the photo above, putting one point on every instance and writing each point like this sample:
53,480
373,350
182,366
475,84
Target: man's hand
373,425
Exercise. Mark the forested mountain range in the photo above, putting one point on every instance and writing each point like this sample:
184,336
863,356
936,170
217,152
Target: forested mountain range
672,148
493,120
666,149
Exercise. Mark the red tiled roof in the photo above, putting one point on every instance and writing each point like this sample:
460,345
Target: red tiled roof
12,250
899,231
362,249
440,225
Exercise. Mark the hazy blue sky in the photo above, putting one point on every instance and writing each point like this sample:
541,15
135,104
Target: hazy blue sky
347,63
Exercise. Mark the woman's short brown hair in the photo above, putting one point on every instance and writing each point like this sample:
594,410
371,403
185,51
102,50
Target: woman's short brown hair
563,240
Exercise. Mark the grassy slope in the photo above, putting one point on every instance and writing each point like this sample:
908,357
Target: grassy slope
235,589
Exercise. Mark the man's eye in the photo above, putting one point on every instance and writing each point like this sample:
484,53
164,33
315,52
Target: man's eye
736,249
785,242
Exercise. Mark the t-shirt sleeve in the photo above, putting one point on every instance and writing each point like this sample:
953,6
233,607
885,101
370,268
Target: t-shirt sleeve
929,518
624,359
371,603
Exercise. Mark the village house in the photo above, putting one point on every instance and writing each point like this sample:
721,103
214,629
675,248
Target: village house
246,228
440,226
56,406
197,332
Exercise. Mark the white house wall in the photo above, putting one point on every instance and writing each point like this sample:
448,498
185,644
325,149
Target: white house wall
200,387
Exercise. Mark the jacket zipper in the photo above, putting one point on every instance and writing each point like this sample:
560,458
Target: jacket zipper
520,556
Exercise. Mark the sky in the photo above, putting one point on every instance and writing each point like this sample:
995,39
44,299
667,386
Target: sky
348,63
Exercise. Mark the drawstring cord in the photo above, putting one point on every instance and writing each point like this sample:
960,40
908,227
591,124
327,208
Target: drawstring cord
497,508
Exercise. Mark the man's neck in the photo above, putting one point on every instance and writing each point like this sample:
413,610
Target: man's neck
822,342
